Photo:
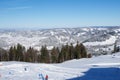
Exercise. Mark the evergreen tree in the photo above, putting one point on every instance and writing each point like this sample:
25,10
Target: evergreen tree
30,55
77,51
14,53
83,51
89,55
38,58
20,50
11,54
71,52
54,55
45,57
3,55
61,55
66,52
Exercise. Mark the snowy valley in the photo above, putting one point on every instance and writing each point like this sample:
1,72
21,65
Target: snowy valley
98,40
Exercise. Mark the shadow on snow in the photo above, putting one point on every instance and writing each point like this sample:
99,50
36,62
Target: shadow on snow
100,74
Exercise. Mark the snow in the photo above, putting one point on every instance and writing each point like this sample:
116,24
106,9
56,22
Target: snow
62,39
117,30
58,37
102,28
109,41
27,42
79,34
85,29
106,67
50,47
52,33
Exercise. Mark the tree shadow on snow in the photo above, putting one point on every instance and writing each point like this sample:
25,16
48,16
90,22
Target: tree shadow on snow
100,74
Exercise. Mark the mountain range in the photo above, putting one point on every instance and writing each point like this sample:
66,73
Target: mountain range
98,40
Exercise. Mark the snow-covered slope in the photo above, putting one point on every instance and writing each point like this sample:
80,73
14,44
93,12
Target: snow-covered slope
111,40
105,67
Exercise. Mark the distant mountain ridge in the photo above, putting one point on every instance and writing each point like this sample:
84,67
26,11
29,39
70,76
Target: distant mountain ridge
61,36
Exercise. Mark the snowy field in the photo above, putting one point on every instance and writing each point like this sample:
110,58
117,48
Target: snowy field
105,67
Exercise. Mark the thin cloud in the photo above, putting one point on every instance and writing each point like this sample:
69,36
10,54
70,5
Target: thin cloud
18,8
14,8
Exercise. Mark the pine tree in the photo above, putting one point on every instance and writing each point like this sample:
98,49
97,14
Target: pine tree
83,51
38,58
77,51
30,55
61,55
11,54
20,50
45,57
3,55
71,52
54,55
66,52
89,55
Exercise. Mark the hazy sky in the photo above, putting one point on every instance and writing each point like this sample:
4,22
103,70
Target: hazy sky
58,13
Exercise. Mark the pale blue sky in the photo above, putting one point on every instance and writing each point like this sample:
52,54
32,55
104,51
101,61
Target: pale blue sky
58,13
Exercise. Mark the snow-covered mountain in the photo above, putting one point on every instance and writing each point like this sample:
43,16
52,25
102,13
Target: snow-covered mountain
105,67
96,39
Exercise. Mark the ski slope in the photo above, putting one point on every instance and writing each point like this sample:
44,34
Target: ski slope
105,67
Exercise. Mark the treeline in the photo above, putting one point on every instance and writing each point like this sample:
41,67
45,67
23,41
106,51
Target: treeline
56,55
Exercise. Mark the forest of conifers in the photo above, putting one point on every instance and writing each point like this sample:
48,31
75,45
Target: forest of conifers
56,55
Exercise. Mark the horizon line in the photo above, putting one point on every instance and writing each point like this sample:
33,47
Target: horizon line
37,28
